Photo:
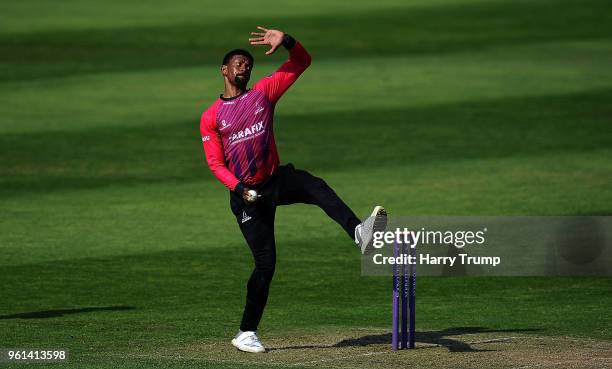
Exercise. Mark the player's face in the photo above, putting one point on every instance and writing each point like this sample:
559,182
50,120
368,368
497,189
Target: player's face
238,70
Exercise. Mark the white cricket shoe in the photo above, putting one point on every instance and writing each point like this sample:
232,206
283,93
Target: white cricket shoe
364,232
248,342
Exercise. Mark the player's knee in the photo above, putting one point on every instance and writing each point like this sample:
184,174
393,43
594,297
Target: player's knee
267,268
266,264
260,279
315,183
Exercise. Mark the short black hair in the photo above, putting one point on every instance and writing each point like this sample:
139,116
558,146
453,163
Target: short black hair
229,55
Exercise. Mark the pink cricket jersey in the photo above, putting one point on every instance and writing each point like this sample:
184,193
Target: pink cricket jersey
238,134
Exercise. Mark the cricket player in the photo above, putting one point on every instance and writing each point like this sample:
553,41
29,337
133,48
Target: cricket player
238,137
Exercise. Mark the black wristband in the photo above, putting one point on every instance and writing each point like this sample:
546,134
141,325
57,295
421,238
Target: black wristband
239,188
288,41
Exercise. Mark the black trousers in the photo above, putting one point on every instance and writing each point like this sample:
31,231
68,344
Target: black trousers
287,186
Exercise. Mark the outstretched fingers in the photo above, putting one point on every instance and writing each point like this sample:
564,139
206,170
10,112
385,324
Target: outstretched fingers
263,38
260,37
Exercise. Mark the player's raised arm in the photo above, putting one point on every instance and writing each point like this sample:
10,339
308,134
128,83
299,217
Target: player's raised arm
275,85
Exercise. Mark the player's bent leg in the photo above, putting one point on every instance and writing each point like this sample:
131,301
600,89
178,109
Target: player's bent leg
301,186
309,189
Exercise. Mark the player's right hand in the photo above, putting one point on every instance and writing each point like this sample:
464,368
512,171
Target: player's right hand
249,195
270,37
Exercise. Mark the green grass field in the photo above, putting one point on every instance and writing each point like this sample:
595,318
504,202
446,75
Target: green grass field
119,244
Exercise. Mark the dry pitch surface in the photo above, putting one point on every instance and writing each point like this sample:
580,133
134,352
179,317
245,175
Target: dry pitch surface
370,348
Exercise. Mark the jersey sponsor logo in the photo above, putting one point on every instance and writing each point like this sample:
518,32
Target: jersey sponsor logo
229,103
245,217
205,138
259,109
249,132
224,125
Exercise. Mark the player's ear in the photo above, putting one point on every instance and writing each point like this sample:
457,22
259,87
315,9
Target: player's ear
224,70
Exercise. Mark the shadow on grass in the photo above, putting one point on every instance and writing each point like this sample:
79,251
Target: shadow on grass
434,337
509,127
405,31
439,338
43,314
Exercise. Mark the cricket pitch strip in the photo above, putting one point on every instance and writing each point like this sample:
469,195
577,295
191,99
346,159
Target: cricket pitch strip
371,348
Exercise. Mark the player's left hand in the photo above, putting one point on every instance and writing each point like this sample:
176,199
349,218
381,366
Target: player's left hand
271,37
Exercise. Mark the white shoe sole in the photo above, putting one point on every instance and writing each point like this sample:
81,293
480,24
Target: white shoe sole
254,350
380,223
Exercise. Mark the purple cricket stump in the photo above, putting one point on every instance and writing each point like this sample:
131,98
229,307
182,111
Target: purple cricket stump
405,292
395,303
412,301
